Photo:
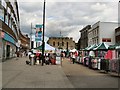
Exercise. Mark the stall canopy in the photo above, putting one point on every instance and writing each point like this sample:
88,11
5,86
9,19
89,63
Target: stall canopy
113,47
47,47
87,48
73,50
101,46
118,47
92,47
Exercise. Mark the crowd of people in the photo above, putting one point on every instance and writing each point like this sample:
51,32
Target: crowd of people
48,58
39,58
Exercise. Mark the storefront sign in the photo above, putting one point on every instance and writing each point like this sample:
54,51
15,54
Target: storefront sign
38,34
8,38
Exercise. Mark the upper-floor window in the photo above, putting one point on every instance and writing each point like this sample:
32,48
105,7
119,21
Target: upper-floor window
58,43
1,13
6,17
53,43
67,45
106,39
62,43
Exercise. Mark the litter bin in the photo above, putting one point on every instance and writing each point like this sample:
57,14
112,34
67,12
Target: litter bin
32,61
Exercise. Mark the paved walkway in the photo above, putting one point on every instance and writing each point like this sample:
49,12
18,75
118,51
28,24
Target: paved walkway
83,77
16,74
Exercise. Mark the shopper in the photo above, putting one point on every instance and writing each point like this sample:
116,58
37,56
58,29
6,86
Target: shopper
73,58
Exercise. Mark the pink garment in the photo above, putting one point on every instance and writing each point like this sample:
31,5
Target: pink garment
108,55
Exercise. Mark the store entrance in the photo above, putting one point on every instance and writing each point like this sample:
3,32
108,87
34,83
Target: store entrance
7,51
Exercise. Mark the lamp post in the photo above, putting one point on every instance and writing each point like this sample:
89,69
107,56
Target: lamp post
43,43
31,37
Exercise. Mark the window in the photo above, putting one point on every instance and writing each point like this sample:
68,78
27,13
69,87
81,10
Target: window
1,13
67,45
106,39
58,43
53,43
6,17
62,43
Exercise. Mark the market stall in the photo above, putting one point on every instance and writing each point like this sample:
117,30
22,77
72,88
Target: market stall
102,63
114,63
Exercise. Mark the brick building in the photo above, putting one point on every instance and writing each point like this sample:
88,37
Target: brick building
83,41
62,42
10,34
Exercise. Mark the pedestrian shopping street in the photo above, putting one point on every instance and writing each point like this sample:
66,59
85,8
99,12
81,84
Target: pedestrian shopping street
16,74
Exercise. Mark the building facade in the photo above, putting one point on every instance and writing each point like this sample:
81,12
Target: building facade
62,42
9,29
102,32
117,35
24,42
84,37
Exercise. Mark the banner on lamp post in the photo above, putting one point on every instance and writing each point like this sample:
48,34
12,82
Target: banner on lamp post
38,33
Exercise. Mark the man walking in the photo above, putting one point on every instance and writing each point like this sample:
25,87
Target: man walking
73,58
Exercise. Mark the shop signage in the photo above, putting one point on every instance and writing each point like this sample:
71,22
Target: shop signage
7,43
8,38
38,33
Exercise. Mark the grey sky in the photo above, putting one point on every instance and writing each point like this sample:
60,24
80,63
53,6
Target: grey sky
67,17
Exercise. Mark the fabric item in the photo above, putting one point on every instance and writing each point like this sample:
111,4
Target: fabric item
108,55
114,65
114,54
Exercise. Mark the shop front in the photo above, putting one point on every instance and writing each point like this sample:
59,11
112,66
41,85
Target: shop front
8,47
1,49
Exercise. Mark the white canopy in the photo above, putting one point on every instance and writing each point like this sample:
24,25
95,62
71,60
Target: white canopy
73,50
48,47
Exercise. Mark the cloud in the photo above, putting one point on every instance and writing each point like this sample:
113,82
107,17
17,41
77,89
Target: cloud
67,17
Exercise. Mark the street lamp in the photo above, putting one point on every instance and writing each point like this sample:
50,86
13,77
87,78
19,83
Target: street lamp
31,36
43,43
